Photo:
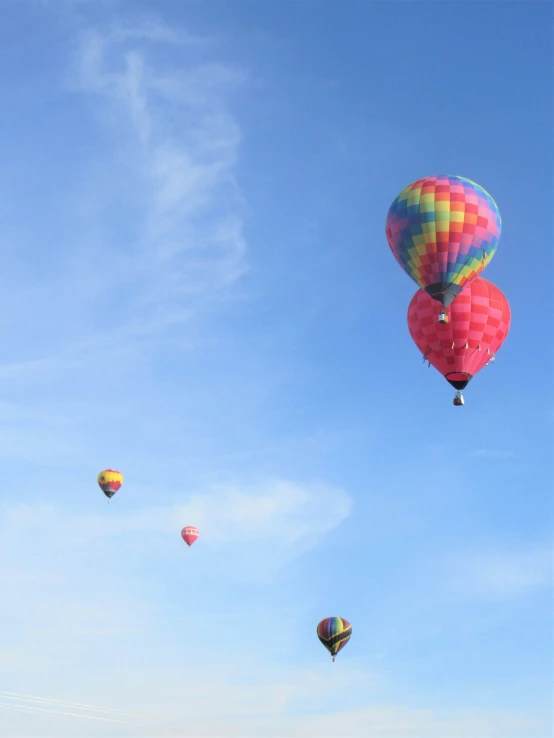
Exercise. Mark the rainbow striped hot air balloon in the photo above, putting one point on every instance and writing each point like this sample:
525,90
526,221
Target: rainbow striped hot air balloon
110,481
334,633
443,231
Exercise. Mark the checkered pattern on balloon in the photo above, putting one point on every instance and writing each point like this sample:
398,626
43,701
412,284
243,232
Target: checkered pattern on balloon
443,231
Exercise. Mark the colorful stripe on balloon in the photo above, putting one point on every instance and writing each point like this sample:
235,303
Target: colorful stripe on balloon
443,231
334,633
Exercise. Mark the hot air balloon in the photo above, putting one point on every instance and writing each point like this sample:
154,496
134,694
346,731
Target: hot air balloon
334,633
189,534
443,231
110,481
480,321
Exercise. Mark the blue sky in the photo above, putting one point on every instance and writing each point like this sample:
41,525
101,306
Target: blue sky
196,289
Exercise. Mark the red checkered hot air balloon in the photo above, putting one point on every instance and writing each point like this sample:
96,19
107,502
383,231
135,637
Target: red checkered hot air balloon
189,534
479,323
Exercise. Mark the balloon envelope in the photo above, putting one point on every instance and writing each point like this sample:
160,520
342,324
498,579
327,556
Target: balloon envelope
189,534
110,481
334,633
443,231
479,323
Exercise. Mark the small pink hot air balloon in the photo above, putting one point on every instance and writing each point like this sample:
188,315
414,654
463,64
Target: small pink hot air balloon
189,534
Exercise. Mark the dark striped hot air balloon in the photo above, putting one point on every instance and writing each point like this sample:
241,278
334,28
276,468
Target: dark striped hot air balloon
334,633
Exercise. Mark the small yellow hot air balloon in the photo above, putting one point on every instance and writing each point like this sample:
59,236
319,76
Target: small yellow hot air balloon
110,481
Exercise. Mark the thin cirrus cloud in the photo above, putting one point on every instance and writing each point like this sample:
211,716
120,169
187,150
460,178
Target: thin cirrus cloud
151,226
492,453
149,234
80,578
245,707
502,574
370,722
85,573
180,146
275,515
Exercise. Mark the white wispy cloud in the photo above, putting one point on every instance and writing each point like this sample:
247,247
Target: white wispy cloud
149,219
397,721
503,574
37,705
179,147
278,515
78,594
492,453
252,711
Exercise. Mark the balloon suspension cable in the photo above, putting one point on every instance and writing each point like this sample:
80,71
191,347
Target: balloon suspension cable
492,358
426,354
